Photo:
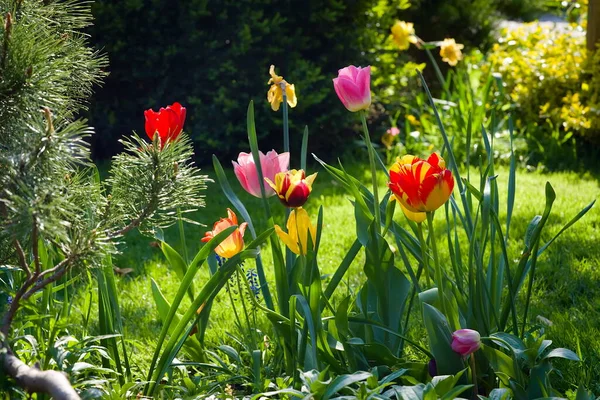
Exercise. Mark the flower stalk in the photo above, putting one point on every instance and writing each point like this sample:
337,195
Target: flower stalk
439,275
371,151
423,246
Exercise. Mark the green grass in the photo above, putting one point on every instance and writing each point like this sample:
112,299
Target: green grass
566,292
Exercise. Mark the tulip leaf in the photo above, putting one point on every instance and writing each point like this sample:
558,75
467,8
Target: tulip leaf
440,337
539,383
512,177
501,363
304,148
342,381
177,263
157,366
562,353
342,268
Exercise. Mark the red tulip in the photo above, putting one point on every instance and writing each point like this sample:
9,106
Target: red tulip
167,122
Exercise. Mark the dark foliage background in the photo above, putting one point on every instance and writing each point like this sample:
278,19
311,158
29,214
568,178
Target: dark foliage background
214,56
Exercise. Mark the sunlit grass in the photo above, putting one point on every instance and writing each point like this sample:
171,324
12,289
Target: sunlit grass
567,289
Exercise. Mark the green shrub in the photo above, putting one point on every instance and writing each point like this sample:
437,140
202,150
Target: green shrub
554,85
214,57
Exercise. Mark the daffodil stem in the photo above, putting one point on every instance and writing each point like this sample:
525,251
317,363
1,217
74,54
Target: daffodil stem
474,376
371,151
424,252
289,256
439,276
286,127
438,72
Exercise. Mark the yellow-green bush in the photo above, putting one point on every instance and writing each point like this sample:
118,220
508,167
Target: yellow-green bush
553,83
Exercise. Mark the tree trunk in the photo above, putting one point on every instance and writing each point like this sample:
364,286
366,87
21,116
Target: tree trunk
593,27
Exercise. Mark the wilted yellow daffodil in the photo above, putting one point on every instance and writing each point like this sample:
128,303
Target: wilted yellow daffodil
450,51
403,34
275,93
298,229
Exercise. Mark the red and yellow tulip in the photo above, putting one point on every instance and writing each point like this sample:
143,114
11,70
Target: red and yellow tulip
298,228
421,185
292,187
234,243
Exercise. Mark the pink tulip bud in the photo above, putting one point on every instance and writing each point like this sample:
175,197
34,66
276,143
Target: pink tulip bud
353,87
271,164
466,341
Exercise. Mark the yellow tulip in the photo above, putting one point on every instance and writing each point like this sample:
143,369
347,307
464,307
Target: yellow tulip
298,229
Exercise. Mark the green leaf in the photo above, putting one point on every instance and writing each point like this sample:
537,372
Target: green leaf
440,338
201,256
562,353
500,362
239,206
304,149
177,263
342,381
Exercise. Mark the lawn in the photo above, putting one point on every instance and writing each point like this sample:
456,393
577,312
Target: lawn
567,289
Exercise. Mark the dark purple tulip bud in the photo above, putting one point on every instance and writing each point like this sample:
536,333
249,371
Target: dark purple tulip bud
432,368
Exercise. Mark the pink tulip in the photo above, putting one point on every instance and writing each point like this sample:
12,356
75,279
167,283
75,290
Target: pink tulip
271,164
466,341
353,87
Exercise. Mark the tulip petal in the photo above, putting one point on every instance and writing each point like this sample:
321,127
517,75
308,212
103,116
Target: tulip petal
417,217
289,241
351,95
350,71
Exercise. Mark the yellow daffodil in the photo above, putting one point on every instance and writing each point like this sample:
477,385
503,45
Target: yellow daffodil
450,51
403,34
275,93
298,229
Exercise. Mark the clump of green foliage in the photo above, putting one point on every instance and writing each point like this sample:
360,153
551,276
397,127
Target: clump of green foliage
553,82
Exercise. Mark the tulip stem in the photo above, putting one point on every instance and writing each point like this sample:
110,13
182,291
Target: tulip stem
424,252
474,376
371,151
439,276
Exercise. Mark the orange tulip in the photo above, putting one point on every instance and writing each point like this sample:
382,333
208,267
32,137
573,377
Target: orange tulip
420,185
233,243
